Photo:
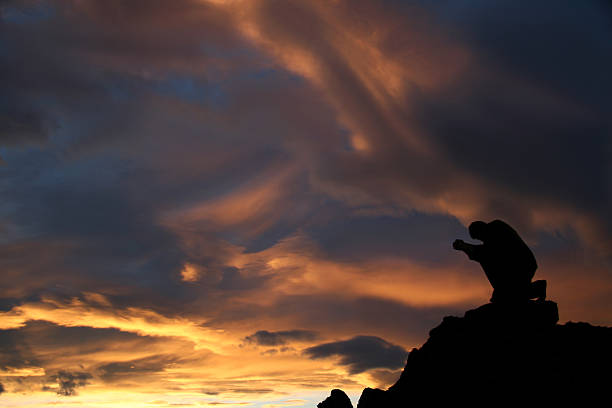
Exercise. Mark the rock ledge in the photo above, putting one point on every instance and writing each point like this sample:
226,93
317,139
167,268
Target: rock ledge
501,355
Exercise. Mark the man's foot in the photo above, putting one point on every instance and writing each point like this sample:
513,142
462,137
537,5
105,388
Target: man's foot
537,289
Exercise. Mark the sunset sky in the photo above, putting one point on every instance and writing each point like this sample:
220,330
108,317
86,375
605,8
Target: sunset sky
247,203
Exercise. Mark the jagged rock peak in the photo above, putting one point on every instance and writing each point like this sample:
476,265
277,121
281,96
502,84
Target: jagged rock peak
337,399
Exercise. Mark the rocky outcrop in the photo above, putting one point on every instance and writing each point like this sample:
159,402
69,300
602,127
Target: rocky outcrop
503,355
337,399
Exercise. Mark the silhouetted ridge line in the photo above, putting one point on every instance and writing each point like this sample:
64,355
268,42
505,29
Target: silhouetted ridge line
501,355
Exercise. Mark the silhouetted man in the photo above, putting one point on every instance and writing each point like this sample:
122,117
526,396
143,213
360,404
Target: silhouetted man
507,261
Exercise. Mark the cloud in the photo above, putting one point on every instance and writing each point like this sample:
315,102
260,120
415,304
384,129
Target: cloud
239,391
331,313
384,378
352,236
430,138
68,382
16,355
76,312
21,127
45,344
126,360
181,174
143,367
278,338
361,353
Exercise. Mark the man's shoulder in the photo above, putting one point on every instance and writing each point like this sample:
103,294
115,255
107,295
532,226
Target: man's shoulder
503,232
499,223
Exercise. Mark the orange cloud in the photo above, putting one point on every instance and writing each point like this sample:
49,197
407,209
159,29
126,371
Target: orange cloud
135,320
255,206
368,70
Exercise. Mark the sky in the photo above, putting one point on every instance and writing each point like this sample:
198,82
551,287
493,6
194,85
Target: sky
212,203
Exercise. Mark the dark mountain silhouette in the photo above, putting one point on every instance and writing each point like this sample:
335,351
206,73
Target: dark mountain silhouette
501,354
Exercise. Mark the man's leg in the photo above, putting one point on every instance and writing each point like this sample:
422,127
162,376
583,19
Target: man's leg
514,292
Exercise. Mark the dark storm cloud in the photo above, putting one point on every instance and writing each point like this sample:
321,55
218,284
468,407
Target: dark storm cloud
558,44
484,112
551,155
15,352
18,126
329,313
89,217
68,381
47,345
379,315
138,368
75,356
277,338
54,79
534,116
66,73
237,391
421,237
41,335
97,190
233,279
362,353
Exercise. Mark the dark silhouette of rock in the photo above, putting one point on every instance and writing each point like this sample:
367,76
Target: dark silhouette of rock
337,399
504,355
506,260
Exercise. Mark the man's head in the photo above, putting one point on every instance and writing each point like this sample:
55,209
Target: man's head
478,230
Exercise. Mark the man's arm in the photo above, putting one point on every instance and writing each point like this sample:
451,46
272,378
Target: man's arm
472,251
